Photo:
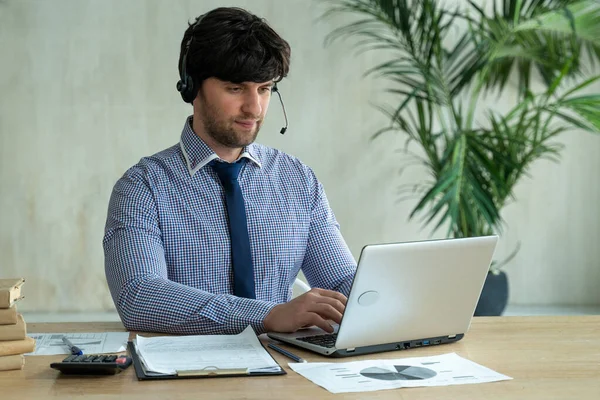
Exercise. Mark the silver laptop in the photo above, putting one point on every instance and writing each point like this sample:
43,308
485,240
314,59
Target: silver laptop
406,295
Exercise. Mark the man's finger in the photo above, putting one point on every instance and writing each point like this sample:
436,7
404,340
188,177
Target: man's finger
326,311
335,303
331,294
315,320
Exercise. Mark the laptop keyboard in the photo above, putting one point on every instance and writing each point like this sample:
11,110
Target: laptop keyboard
326,340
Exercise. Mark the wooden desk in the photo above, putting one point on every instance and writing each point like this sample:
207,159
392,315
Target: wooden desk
548,357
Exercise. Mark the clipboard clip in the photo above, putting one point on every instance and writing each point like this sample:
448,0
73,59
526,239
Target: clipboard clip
212,371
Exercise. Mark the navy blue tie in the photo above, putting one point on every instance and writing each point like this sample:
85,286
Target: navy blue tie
241,257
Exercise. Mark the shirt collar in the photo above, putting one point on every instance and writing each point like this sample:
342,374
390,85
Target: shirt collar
197,154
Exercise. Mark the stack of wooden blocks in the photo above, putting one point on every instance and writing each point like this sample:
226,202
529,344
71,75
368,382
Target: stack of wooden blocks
13,330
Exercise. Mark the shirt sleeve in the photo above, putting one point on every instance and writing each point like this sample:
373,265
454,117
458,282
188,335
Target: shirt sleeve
328,262
136,273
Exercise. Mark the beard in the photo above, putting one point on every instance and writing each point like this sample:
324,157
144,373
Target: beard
225,131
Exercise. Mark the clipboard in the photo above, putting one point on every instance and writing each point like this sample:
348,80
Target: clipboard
143,375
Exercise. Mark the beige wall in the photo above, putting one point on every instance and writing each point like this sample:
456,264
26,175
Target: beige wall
87,87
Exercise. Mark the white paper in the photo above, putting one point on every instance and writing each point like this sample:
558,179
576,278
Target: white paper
169,354
89,343
367,376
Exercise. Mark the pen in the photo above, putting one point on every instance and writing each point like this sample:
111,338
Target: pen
287,353
74,349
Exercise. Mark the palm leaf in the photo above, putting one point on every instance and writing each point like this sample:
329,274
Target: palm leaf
473,170
581,18
545,36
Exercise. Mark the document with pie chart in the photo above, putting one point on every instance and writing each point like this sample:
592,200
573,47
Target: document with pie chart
365,376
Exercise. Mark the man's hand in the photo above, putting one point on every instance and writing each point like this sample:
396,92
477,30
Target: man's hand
312,308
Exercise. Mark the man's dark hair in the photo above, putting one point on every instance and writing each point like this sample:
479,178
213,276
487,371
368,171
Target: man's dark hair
234,45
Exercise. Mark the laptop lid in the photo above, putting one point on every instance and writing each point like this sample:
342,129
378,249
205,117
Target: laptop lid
408,295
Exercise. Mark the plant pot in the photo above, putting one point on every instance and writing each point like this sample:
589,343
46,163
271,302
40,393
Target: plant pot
494,295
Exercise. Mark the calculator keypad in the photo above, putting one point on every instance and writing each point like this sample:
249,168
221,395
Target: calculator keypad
92,364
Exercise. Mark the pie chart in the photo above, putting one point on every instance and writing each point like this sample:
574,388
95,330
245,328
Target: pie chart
404,373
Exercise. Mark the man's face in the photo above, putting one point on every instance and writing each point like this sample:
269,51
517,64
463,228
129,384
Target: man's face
232,113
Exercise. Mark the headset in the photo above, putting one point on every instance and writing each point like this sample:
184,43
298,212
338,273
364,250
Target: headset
276,90
187,88
185,85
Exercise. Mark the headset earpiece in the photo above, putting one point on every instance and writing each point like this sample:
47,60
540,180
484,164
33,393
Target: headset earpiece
185,85
186,88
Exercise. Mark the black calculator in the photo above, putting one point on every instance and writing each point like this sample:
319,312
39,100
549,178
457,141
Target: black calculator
92,364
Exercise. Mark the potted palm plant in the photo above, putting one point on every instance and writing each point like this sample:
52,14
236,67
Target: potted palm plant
444,62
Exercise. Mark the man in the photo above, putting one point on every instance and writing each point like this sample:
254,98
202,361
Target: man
208,236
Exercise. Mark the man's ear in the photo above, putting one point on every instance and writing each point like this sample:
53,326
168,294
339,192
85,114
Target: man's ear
197,102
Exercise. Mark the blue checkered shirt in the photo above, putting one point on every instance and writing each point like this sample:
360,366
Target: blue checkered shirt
167,250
